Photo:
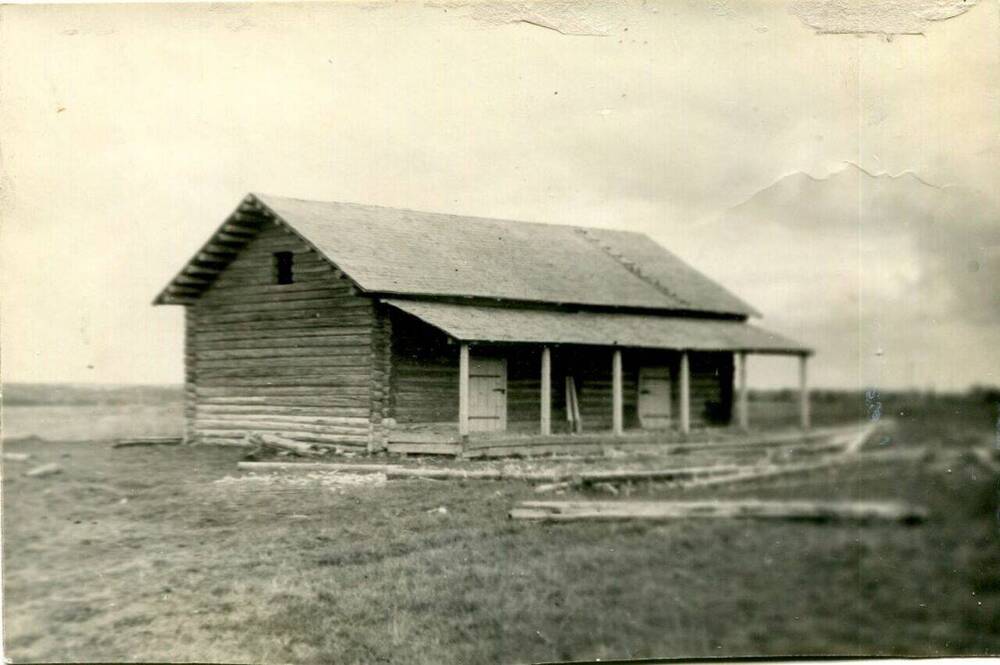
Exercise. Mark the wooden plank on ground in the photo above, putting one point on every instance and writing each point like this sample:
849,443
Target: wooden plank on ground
664,511
44,470
148,441
774,470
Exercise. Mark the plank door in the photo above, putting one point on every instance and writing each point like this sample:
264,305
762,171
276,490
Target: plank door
654,397
487,394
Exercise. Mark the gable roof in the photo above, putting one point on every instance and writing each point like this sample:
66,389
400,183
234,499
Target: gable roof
390,251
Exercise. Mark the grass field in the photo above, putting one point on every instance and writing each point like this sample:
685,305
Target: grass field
140,555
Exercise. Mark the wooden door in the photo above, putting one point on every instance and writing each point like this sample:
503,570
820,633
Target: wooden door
487,394
654,397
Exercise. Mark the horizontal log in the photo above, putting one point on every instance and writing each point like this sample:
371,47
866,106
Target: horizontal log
320,346
354,422
318,281
774,470
315,297
359,391
292,429
282,375
819,511
280,443
309,437
213,301
240,442
355,410
341,363
318,381
147,441
277,347
317,315
244,334
43,470
283,401
249,266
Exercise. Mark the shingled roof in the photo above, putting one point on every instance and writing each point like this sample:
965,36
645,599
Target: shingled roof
389,251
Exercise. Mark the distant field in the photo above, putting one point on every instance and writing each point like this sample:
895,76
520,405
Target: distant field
92,422
138,554
79,412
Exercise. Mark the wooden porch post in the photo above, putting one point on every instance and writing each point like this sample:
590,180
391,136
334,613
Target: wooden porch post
546,391
743,406
804,416
685,393
616,392
463,390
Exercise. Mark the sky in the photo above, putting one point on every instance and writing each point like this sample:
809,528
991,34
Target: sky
844,184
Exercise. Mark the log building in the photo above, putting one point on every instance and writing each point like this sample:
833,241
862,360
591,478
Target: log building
363,327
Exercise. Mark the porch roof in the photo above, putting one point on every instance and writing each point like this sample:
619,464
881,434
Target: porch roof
475,323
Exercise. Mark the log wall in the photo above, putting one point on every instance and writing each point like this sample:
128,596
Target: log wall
424,381
190,380
301,360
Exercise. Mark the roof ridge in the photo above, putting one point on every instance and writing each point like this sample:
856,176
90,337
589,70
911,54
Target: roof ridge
456,215
629,264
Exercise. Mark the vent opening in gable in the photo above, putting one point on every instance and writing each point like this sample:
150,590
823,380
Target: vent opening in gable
283,268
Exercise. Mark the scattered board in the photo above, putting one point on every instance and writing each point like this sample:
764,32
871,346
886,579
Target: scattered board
665,511
148,441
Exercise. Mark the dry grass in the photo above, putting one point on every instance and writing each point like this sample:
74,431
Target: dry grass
138,555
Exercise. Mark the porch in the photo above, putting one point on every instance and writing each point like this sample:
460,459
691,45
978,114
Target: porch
470,379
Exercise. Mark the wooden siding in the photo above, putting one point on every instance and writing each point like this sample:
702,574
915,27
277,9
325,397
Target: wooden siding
296,359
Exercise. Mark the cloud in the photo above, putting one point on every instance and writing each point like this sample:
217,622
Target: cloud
879,272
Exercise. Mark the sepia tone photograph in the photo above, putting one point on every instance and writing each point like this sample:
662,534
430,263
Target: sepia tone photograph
500,332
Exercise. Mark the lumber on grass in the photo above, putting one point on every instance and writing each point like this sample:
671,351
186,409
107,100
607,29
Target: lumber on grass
281,443
772,470
43,470
148,441
628,475
553,487
608,478
661,511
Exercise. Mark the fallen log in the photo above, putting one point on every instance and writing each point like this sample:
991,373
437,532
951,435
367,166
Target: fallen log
663,511
630,475
281,443
43,470
148,441
553,487
16,457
